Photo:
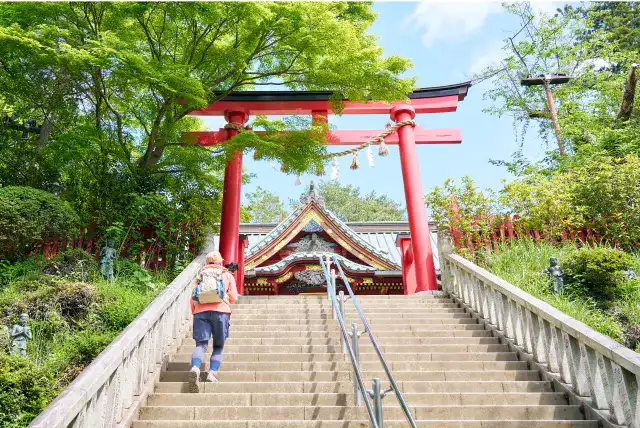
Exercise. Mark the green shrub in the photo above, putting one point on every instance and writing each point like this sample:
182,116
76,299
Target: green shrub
25,389
123,301
29,216
522,264
42,297
87,344
598,272
71,321
74,263
123,268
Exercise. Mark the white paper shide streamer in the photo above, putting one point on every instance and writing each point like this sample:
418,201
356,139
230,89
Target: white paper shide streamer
335,168
370,157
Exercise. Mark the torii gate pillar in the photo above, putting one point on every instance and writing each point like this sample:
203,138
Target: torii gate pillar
425,271
230,221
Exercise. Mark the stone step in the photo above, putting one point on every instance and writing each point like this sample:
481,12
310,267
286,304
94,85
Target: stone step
244,300
423,339
236,333
380,329
438,412
185,355
402,423
363,306
323,297
479,338
294,353
267,366
346,399
283,367
368,312
332,324
407,318
327,376
377,328
347,387
369,316
326,302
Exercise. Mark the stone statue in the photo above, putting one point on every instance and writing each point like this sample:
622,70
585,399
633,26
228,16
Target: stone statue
555,272
107,256
20,335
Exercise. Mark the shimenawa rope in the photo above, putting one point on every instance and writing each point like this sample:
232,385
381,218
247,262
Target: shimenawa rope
383,151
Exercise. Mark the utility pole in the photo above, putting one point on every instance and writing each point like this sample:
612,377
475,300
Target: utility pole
546,80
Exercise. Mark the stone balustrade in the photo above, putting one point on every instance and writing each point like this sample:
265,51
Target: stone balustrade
601,372
110,390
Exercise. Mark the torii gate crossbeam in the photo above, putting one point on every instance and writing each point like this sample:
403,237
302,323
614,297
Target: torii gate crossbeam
237,106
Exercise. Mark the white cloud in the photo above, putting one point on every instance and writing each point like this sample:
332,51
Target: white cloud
545,8
490,54
451,21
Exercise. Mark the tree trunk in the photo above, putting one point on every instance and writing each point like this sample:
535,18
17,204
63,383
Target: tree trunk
45,131
628,96
155,144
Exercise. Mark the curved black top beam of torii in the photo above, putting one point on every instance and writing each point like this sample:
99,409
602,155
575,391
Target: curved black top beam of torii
459,89
435,99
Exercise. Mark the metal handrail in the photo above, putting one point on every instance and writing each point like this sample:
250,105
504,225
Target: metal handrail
352,357
394,385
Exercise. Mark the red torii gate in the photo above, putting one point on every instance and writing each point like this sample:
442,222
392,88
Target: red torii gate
237,106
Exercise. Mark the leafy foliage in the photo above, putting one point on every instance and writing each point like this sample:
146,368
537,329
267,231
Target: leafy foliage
265,207
111,87
25,389
596,45
71,321
349,205
522,264
598,272
602,193
464,207
598,192
27,216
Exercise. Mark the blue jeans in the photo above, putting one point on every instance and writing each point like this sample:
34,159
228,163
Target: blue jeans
206,325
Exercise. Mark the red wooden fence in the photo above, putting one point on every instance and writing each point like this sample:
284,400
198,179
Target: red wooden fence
154,249
488,233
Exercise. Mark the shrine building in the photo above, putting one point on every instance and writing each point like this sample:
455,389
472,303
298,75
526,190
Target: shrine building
283,259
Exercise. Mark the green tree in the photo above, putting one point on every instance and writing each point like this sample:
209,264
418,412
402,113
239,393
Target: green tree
264,207
29,216
349,205
596,46
111,85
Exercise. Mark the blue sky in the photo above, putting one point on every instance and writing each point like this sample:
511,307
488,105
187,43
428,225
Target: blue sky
447,43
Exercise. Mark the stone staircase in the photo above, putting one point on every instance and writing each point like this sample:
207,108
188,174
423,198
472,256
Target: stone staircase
283,367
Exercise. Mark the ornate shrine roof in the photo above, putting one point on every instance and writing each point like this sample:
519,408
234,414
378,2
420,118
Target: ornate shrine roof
348,265
311,216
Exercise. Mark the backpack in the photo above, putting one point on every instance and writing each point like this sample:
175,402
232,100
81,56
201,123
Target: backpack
210,287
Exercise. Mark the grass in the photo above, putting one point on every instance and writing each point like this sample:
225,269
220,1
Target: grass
74,315
522,263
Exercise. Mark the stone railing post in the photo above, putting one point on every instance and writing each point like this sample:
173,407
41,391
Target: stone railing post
445,247
601,372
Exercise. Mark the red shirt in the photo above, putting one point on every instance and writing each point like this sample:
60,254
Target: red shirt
229,287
